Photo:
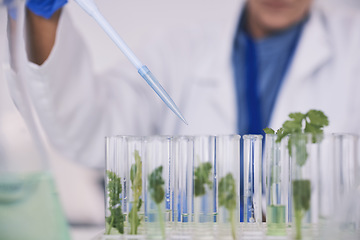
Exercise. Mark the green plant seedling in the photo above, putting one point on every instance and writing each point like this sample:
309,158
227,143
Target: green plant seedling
157,193
227,198
116,218
202,177
136,187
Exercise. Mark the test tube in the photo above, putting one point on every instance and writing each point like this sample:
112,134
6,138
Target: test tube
115,183
277,161
158,178
327,179
134,186
204,182
228,184
346,163
346,172
339,207
252,178
305,155
183,154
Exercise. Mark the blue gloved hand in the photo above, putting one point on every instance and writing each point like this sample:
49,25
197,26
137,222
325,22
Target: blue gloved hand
45,8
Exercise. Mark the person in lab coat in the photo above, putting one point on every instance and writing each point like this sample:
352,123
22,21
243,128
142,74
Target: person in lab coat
267,59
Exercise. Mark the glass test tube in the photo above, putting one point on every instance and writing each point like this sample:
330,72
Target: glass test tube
204,182
346,163
305,155
134,185
183,160
277,163
326,179
204,179
228,184
158,188
252,178
346,173
183,185
115,182
338,197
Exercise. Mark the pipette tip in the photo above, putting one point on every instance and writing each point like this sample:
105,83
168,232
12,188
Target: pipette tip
160,91
183,119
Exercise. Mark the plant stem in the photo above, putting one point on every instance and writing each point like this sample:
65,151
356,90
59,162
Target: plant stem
161,221
298,222
233,226
134,219
110,226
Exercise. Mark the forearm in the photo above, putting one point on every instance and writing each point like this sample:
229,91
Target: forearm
41,34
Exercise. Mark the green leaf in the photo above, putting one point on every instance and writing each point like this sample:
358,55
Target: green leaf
280,131
136,176
157,193
317,118
292,126
227,192
297,117
202,177
269,131
315,130
312,128
156,185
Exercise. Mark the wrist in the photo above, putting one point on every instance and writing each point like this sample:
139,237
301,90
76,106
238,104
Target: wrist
45,8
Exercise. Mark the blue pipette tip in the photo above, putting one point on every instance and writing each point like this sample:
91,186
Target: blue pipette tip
90,7
182,118
160,91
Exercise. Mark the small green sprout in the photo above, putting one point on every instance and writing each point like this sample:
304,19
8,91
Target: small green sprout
157,193
156,185
136,187
311,122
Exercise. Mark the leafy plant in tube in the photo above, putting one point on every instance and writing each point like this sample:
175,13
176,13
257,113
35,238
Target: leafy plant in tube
157,193
136,187
227,198
202,177
116,218
313,123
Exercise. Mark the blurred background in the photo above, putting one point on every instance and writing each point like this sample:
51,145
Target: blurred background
81,189
142,19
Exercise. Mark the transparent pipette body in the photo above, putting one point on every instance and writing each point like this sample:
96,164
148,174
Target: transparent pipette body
90,7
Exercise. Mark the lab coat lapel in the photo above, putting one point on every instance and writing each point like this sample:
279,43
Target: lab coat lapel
218,72
312,53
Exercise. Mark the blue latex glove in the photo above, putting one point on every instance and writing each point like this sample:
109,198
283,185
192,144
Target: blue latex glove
45,8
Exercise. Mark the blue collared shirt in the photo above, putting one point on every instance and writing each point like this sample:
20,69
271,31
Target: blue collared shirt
273,56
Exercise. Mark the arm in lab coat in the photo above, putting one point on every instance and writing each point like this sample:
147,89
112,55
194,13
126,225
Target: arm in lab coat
77,107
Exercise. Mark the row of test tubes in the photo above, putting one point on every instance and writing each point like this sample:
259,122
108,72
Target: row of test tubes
224,187
184,185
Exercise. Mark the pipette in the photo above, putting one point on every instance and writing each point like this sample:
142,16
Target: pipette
90,7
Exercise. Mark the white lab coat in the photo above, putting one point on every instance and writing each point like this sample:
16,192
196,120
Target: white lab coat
78,107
